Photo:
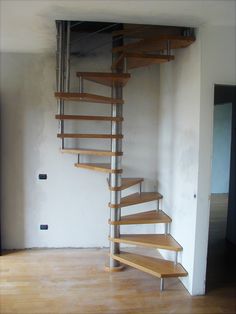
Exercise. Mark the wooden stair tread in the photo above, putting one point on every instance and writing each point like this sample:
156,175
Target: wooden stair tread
137,198
88,151
149,217
88,98
156,44
104,78
126,183
90,135
81,117
102,167
144,31
158,241
137,60
157,267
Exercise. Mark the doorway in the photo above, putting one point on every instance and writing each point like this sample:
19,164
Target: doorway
222,238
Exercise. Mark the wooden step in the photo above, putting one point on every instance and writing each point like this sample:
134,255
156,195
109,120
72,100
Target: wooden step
77,135
147,31
126,183
149,217
137,60
158,241
156,44
108,79
92,118
137,198
154,266
88,98
98,167
88,151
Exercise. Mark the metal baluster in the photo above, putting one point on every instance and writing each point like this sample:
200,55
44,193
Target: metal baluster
115,178
162,284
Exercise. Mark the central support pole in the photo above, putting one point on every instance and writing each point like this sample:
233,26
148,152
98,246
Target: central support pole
63,67
116,163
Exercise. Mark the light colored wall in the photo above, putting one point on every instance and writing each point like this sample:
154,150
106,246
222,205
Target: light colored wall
177,163
73,202
218,66
221,148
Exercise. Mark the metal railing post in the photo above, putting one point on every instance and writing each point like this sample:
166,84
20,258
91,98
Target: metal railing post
116,163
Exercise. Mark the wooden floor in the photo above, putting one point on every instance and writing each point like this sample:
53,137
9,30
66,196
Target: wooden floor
73,281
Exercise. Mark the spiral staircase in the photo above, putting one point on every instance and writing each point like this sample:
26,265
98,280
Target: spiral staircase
144,46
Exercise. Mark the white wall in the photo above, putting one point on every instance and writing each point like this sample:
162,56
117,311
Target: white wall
185,141
218,66
177,163
73,202
221,148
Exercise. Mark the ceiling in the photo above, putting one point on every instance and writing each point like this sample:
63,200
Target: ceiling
29,26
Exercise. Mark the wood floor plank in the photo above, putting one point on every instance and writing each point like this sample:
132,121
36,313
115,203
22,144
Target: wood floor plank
59,281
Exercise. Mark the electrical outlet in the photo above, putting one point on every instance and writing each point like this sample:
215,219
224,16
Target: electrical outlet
43,227
42,176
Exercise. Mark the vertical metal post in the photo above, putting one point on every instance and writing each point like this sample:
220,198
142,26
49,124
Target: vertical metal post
63,67
67,61
162,284
81,84
115,178
140,188
60,81
166,228
176,258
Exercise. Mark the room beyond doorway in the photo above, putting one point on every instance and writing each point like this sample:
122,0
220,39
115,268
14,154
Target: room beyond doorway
221,247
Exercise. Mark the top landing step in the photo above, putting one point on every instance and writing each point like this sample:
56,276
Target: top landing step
106,78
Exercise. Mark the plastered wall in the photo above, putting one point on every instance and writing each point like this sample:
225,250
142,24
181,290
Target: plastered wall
73,202
177,157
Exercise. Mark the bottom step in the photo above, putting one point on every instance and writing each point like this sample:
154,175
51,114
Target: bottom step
157,267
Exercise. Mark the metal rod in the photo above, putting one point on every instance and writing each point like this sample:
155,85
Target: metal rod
76,24
115,39
115,179
67,62
176,258
81,84
140,187
162,284
166,228
78,158
60,76
94,33
158,205
168,49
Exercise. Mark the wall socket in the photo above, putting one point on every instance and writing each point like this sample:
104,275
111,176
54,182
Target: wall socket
42,176
43,227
